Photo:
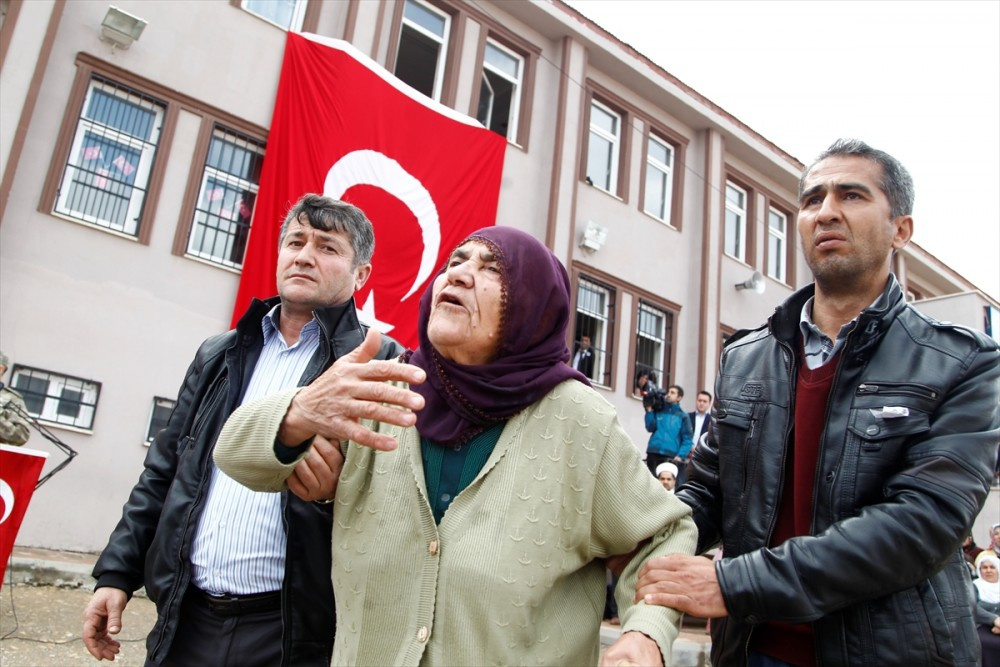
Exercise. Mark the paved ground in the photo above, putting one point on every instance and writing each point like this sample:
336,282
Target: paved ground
40,627
41,615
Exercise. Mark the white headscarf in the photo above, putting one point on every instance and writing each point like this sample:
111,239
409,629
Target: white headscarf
988,591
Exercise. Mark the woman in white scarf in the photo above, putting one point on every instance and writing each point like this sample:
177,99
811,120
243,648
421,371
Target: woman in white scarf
987,612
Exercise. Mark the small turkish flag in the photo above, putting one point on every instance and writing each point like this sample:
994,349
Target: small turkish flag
424,174
19,471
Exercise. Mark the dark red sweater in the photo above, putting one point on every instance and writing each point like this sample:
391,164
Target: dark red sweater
793,643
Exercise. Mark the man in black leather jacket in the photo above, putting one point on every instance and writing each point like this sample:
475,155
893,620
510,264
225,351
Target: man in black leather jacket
851,449
325,256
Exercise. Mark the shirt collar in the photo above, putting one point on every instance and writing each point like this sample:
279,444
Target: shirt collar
816,345
269,327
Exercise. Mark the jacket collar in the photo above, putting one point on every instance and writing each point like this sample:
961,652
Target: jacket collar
873,321
333,320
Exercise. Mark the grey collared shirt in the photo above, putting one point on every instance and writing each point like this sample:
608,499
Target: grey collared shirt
816,345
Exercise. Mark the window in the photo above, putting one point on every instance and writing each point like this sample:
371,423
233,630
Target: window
285,14
57,399
777,243
226,198
158,416
423,38
603,147
107,172
653,342
595,318
659,178
500,90
736,221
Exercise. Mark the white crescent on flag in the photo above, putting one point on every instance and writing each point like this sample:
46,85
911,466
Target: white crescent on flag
7,496
367,167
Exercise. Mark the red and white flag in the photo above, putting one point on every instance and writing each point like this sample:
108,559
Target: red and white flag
424,174
19,472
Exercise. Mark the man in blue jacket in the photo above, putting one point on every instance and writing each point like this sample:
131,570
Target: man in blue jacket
671,429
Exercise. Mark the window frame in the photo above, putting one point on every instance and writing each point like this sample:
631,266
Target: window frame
671,312
76,127
444,80
186,228
781,257
616,186
53,403
308,21
602,336
746,224
514,118
158,402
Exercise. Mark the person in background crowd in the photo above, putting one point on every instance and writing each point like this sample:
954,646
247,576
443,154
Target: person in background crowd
583,359
478,535
970,551
701,417
241,578
852,445
987,589
666,472
995,539
13,422
670,429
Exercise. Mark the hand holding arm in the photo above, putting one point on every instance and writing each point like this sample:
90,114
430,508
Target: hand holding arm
315,477
354,387
686,583
632,648
102,618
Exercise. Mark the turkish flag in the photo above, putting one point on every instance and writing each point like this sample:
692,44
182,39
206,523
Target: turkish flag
424,174
19,471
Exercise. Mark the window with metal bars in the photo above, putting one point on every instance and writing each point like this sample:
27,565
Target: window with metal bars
653,343
595,308
106,175
57,399
228,192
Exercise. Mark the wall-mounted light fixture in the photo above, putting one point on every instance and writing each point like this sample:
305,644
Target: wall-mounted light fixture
121,28
594,236
754,282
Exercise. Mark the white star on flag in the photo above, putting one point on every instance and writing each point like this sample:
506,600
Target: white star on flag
366,313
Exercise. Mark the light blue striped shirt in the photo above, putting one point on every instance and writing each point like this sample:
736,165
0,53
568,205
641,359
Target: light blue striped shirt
239,547
816,345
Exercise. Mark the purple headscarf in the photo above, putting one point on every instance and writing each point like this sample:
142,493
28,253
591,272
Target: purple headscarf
462,401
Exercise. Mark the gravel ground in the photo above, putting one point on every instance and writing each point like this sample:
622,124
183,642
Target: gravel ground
40,627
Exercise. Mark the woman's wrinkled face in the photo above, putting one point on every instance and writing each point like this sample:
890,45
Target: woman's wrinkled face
464,322
988,571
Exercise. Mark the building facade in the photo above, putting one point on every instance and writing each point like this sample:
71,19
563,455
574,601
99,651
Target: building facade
129,172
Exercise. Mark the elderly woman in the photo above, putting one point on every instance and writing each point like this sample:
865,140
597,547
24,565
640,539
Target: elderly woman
987,610
481,539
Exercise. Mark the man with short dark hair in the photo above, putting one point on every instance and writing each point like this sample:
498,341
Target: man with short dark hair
239,577
852,444
670,429
583,358
701,418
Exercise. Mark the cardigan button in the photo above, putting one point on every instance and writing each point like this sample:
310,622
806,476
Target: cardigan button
433,547
422,634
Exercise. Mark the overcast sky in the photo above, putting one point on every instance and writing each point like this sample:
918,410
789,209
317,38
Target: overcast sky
919,79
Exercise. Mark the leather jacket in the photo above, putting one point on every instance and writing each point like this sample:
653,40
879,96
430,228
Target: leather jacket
152,543
881,575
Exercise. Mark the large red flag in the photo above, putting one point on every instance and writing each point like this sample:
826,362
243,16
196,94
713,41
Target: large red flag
424,174
19,471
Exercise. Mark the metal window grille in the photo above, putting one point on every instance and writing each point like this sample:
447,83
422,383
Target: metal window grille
595,307
106,176
57,399
229,184
653,342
